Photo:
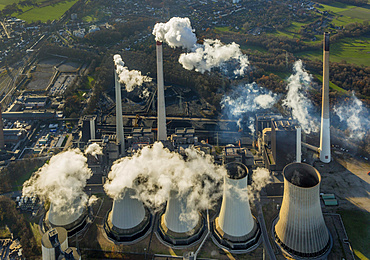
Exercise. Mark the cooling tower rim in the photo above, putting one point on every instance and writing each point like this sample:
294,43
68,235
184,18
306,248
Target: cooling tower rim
234,175
62,237
289,169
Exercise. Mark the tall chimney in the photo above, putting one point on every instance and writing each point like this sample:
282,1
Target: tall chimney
161,108
119,120
299,145
1,130
92,128
325,120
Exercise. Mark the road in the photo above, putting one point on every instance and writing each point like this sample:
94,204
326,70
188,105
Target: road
265,235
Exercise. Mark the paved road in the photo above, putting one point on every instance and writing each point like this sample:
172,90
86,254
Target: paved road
265,235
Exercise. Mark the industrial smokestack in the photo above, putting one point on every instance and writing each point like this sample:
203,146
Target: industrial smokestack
161,109
92,128
2,142
119,119
180,225
300,230
235,227
325,120
299,144
53,242
128,220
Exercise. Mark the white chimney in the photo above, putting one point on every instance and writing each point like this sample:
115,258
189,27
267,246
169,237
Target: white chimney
161,109
300,229
325,120
128,220
299,145
235,227
119,119
92,128
180,225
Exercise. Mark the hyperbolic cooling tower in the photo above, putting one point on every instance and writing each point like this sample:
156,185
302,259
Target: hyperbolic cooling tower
72,222
235,227
53,242
179,225
325,155
161,109
300,230
128,219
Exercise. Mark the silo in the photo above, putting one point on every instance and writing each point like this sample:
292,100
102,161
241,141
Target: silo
180,225
53,242
73,218
128,220
300,229
235,228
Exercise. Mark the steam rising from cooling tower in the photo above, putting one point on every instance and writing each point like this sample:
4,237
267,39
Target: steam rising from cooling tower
131,78
300,230
296,99
355,115
245,100
177,32
94,149
235,228
154,171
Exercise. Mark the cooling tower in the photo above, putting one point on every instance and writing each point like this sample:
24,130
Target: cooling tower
161,109
72,218
53,242
235,227
119,119
128,220
325,119
300,229
180,225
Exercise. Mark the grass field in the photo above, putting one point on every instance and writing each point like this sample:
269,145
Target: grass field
222,29
356,50
3,3
357,225
46,13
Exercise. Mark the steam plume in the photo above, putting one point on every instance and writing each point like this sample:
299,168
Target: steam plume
356,117
260,178
94,149
61,181
245,100
154,172
177,32
131,78
296,100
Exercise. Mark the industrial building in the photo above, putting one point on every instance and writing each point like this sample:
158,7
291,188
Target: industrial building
88,126
235,228
300,229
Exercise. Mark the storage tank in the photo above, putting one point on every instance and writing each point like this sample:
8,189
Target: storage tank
300,229
53,242
177,227
72,222
128,220
235,227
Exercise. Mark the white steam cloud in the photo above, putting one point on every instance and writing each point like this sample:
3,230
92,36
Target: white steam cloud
61,181
94,149
244,101
131,78
356,117
296,100
155,171
260,178
177,32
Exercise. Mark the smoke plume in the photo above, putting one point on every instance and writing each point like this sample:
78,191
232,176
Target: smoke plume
131,78
355,116
61,181
296,100
260,178
94,149
177,32
244,101
155,171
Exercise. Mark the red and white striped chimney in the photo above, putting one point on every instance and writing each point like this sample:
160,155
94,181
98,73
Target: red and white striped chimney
325,156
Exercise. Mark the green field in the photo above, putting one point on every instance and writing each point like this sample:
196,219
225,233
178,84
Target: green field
356,50
357,225
4,3
221,29
46,13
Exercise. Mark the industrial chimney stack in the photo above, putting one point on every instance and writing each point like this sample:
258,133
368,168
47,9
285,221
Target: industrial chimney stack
119,119
325,120
2,142
161,109
300,229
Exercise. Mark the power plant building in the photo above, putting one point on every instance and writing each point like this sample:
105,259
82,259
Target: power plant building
300,229
235,228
